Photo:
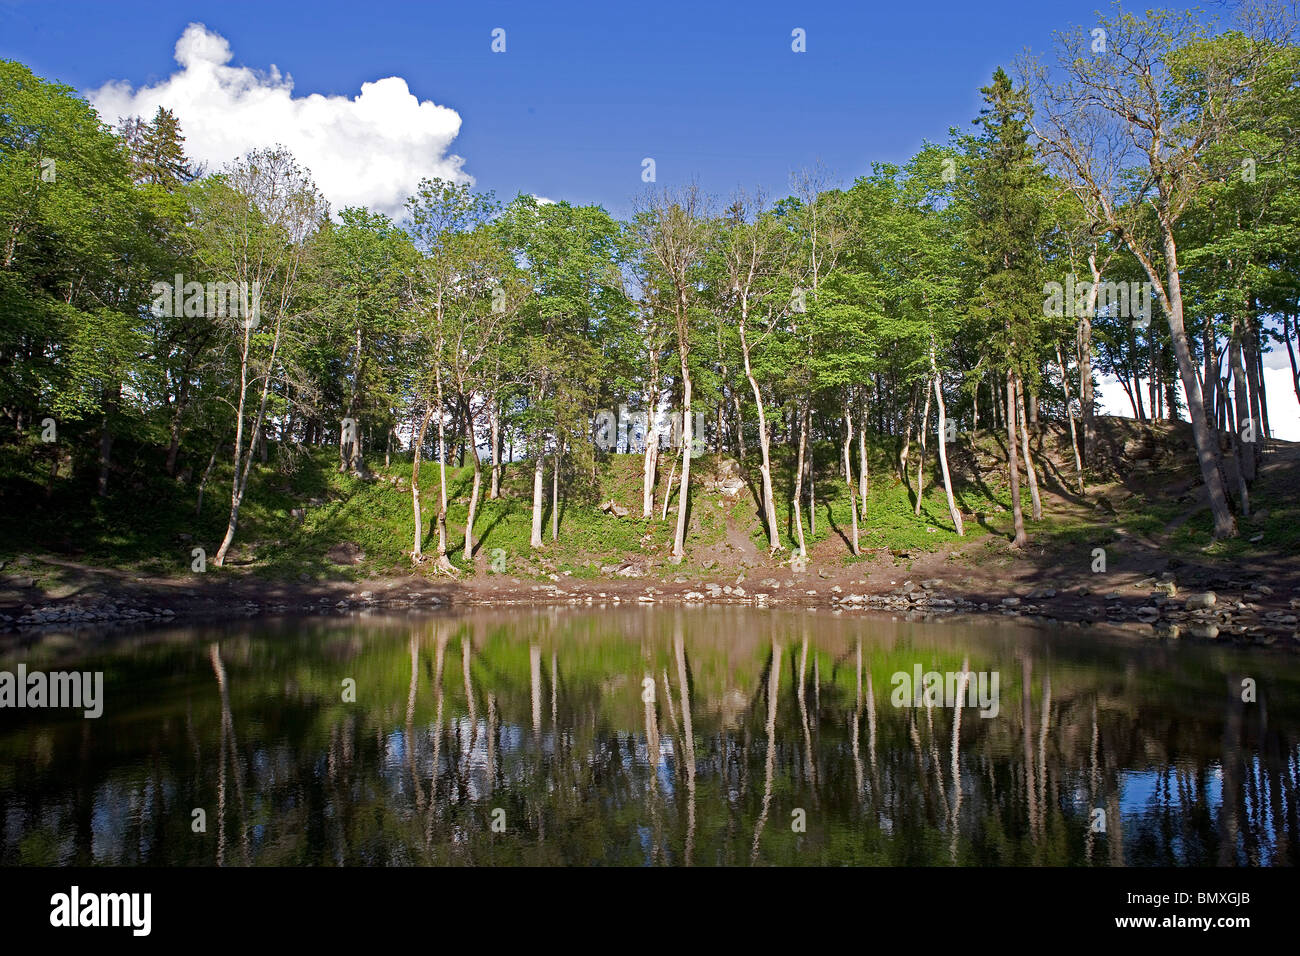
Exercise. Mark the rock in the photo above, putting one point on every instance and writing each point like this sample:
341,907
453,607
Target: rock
1039,594
1204,599
1011,601
629,570
345,552
614,508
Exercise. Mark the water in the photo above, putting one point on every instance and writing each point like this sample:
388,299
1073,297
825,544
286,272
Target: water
647,737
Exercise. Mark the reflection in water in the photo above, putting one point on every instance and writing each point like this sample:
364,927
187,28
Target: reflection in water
675,737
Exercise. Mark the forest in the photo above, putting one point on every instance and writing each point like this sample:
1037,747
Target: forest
1124,205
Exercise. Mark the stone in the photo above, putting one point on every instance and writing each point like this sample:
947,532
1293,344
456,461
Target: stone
345,552
614,508
1202,600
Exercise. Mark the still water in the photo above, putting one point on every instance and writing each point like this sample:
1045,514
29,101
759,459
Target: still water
652,736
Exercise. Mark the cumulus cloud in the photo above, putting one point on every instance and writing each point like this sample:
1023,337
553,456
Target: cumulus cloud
368,150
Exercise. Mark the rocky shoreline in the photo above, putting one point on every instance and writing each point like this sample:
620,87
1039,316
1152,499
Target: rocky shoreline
1241,612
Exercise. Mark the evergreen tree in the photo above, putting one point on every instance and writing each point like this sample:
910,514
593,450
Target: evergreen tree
1006,200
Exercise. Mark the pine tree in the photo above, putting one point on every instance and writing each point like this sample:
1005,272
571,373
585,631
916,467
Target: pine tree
158,151
1006,199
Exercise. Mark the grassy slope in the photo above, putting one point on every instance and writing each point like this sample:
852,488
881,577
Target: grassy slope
143,526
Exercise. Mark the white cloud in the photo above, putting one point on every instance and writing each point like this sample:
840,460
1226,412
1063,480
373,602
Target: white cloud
370,150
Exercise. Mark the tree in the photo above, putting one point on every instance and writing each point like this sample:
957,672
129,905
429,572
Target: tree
254,221
673,235
440,218
752,249
1005,215
1155,100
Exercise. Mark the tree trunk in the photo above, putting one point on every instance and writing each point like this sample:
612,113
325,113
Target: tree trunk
555,493
668,490
1246,428
1029,461
442,471
494,488
1207,444
798,481
765,448
417,450
239,481
1087,401
535,541
679,539
740,425
907,438
863,463
1069,415
203,482
943,447
810,462
650,464
474,490
1013,462
848,468
920,459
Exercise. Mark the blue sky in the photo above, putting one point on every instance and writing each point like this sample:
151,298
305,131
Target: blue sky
585,91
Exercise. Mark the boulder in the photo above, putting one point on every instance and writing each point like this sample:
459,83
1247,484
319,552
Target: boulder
345,552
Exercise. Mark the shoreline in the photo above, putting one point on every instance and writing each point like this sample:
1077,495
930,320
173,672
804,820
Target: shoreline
1151,607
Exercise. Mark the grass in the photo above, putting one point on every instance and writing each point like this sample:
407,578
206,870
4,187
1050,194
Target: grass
148,524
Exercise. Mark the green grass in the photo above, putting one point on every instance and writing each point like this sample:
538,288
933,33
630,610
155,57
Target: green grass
148,524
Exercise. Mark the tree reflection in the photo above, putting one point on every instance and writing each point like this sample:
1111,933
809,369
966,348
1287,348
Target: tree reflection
707,769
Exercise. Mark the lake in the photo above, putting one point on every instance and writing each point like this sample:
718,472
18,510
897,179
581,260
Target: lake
652,736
